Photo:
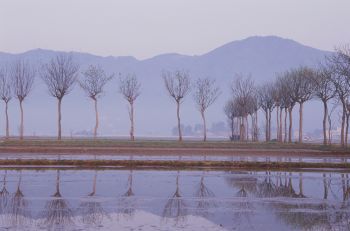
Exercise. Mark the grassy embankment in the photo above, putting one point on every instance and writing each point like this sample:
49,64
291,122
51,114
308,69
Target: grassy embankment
153,147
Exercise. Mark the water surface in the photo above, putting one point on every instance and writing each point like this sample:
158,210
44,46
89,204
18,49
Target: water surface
73,199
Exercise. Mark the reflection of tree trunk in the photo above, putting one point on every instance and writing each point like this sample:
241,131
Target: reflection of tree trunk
7,120
96,122
176,206
21,127
300,122
178,119
204,195
4,196
18,206
59,118
91,210
301,191
204,126
325,114
57,213
325,187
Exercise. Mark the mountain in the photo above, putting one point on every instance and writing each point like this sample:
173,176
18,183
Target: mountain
262,57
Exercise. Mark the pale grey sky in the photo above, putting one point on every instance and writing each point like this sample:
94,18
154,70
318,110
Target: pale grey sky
146,28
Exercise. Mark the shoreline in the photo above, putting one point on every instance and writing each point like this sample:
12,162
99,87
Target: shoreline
173,165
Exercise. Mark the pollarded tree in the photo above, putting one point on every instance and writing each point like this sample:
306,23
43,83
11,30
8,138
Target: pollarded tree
242,90
129,87
267,104
178,86
339,64
286,103
205,94
301,91
22,75
93,81
60,75
231,114
5,95
324,90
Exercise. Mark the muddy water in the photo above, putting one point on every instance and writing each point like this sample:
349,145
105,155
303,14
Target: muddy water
59,199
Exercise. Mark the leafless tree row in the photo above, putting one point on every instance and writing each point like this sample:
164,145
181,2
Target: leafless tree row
329,81
178,85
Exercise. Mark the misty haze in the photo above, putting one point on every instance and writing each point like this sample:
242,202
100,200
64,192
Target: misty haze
174,115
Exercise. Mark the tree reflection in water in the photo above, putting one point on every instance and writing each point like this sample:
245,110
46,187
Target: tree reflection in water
57,213
205,198
4,196
175,207
126,202
91,210
19,214
243,209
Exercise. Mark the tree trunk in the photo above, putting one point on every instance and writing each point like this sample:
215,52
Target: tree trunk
324,122
59,136
7,121
290,109
204,127
267,126
132,137
21,126
96,122
300,122
178,119
347,129
278,124
256,127
281,125
285,125
342,126
232,127
247,128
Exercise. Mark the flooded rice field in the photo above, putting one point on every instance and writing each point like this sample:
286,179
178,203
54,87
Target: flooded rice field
253,158
112,199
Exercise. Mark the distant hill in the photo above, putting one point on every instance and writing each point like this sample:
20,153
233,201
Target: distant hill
262,57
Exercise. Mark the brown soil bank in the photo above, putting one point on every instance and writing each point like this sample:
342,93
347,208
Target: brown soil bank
160,164
152,147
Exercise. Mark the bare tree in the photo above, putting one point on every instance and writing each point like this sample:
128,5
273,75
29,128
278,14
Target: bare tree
22,75
129,87
324,90
267,104
60,74
339,64
231,114
178,86
301,91
93,83
205,95
5,95
242,91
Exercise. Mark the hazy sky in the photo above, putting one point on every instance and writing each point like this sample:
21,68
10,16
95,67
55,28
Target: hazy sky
146,28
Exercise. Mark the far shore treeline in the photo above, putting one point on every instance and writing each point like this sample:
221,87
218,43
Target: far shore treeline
330,80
